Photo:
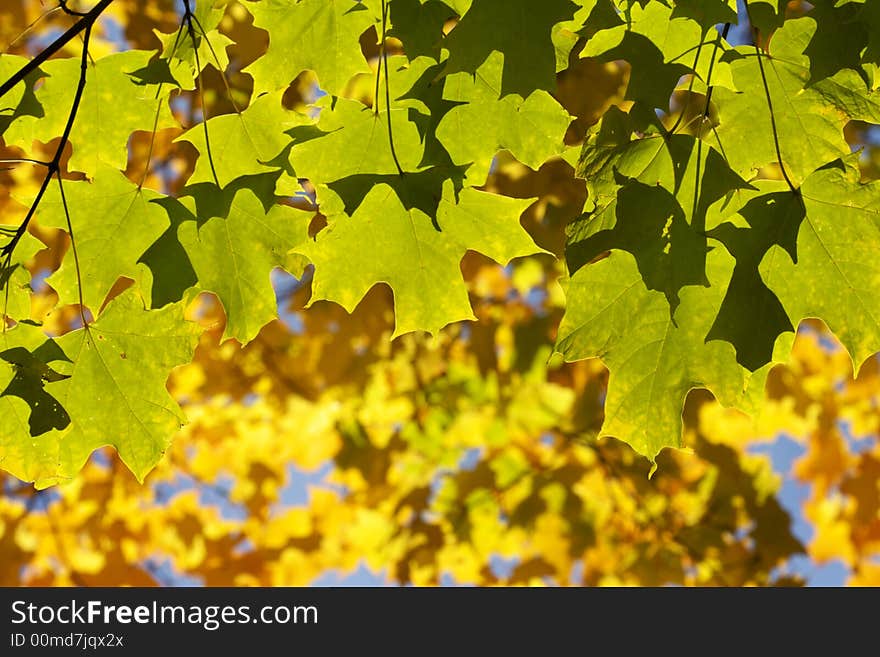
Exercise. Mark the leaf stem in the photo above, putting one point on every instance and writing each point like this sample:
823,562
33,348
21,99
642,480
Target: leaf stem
724,33
689,89
147,168
383,60
188,19
219,66
785,175
82,306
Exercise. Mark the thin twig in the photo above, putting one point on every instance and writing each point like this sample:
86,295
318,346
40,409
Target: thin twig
711,88
27,30
703,118
223,77
24,160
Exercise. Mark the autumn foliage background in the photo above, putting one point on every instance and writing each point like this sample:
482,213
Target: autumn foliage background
324,452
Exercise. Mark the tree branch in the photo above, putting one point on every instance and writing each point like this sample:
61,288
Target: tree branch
86,21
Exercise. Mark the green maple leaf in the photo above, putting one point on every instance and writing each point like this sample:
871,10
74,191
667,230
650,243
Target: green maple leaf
114,223
112,107
809,119
609,157
351,139
517,30
532,129
116,392
871,17
839,40
316,35
418,260
19,103
234,255
649,196
110,381
648,310
417,85
836,276
243,144
654,357
29,351
766,15
682,275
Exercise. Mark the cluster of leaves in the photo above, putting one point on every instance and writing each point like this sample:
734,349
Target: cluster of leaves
423,461
462,459
723,205
729,225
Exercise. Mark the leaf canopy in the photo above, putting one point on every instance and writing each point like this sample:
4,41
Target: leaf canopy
359,142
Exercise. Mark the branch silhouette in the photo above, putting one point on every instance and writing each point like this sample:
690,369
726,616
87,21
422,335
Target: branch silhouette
84,23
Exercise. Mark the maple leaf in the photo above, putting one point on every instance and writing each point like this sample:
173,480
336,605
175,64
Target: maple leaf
351,139
831,274
233,257
115,394
184,61
531,128
751,316
106,384
15,279
13,99
654,357
29,411
662,45
565,35
15,282
809,118
243,144
726,268
517,30
121,223
419,24
317,35
412,254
